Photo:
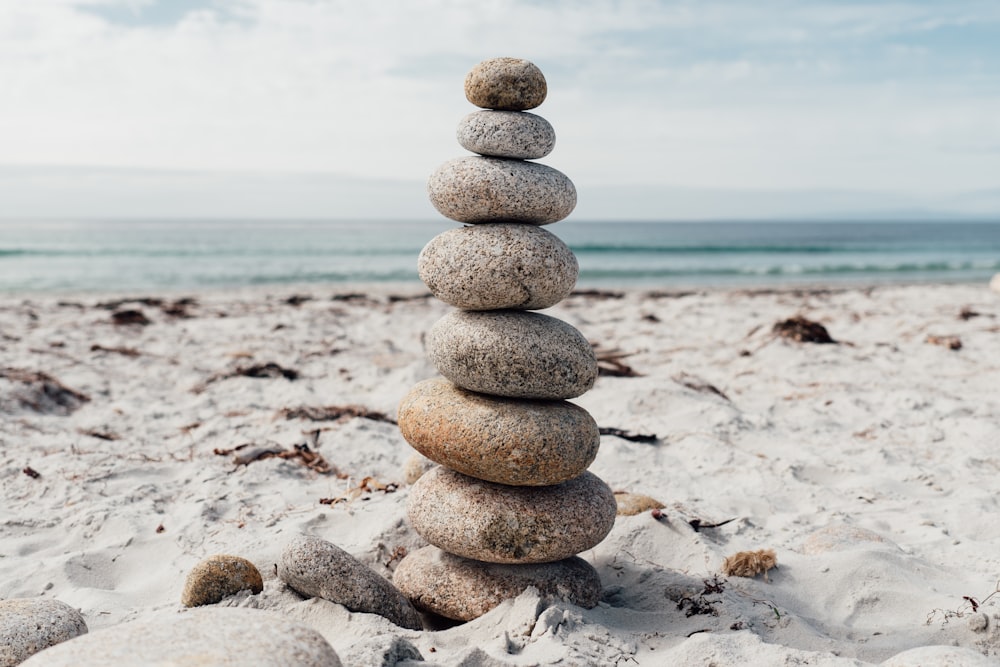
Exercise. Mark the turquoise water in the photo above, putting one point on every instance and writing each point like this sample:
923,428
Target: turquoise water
55,256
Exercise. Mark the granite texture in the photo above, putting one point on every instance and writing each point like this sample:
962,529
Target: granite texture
476,189
221,637
28,625
505,440
463,589
496,523
940,656
512,353
502,265
316,568
218,577
511,84
630,504
514,134
415,466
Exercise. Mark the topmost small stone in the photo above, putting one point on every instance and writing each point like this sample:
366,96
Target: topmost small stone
507,84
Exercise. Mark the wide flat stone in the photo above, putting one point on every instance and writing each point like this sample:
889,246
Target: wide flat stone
28,625
220,576
496,523
513,354
477,189
502,265
223,637
514,134
317,568
463,589
513,84
505,440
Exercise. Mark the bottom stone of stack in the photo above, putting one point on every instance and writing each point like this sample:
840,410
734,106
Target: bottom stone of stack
463,589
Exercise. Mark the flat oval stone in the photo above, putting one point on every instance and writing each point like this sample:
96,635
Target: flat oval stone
222,636
496,523
512,353
504,440
477,189
503,265
317,568
512,84
463,589
28,625
514,134
218,577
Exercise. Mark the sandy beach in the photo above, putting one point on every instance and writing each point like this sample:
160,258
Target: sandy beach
132,430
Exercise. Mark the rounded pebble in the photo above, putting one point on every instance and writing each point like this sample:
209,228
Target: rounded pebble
630,504
512,353
511,84
222,637
504,440
939,656
463,589
218,577
476,189
415,467
838,537
496,523
514,134
995,283
317,568
28,625
503,265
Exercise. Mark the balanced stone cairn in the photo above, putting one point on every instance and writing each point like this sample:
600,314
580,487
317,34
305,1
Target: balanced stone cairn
511,503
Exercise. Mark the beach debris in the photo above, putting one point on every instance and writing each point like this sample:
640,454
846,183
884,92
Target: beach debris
261,371
29,625
967,313
802,330
37,391
700,603
628,435
950,342
302,452
218,577
750,563
31,472
314,567
368,485
630,504
334,413
699,524
129,317
99,434
597,294
298,299
124,351
695,383
609,363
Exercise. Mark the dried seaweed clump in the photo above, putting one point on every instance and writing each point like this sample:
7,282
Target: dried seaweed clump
750,563
38,392
802,330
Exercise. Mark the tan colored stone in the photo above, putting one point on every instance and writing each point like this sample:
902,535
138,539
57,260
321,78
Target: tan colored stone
839,537
503,265
218,577
511,84
415,466
512,353
630,504
496,523
509,441
463,589
29,625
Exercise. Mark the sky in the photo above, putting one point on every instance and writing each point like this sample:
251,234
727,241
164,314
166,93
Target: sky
342,109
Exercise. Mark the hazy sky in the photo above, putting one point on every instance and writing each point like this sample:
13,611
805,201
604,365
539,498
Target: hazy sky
664,110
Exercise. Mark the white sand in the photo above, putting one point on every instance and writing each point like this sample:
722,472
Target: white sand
871,467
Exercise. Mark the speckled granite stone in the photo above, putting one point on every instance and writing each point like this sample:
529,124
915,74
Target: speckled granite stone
512,353
28,625
630,504
317,568
221,637
463,589
513,134
220,576
511,84
496,523
503,265
476,189
505,440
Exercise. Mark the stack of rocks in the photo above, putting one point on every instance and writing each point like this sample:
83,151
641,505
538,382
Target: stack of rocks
511,503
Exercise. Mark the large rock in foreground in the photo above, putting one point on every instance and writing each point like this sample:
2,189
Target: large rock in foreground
496,523
28,625
504,440
462,589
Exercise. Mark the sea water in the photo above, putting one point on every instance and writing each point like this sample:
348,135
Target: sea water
53,256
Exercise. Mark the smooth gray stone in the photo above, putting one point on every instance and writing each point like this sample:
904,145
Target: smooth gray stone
497,523
28,625
502,265
512,353
317,568
217,636
514,134
476,189
464,589
513,84
505,440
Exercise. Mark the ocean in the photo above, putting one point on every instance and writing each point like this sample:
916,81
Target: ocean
146,255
